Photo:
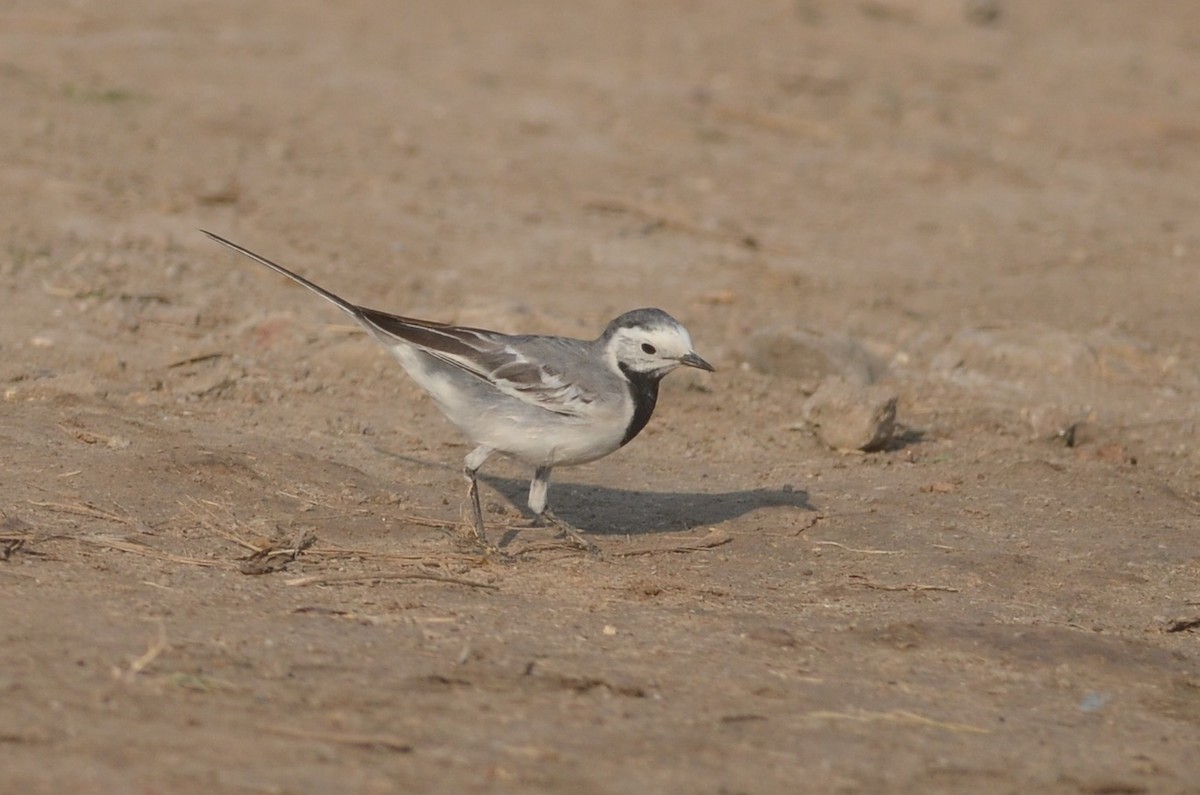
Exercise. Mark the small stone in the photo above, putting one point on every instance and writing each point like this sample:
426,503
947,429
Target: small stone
982,12
1053,422
772,636
849,416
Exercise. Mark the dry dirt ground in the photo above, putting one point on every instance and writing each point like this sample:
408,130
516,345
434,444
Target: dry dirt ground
998,201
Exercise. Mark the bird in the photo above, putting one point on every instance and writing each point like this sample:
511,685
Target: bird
546,401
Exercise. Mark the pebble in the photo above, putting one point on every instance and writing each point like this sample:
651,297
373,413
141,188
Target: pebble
982,12
1052,421
849,416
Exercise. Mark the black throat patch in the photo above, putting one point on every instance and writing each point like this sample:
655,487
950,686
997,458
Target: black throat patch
643,388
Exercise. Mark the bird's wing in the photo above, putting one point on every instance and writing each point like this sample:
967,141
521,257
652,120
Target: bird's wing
502,360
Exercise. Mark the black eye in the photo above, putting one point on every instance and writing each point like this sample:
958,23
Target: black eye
648,348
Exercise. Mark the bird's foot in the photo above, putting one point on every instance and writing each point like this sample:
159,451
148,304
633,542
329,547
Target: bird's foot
572,534
472,538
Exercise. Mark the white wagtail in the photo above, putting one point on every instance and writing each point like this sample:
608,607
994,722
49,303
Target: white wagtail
547,401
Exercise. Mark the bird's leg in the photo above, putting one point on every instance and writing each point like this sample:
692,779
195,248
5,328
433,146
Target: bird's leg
476,509
471,466
570,533
538,489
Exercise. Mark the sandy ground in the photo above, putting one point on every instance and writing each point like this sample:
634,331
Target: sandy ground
996,201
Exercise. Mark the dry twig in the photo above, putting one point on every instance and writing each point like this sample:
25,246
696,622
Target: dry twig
860,551
368,578
202,357
154,649
671,219
361,740
82,509
897,716
272,556
776,122
909,586
714,538
399,557
146,551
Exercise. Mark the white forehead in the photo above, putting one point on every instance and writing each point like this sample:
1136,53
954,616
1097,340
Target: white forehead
668,337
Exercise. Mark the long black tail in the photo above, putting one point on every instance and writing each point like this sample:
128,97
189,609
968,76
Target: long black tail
337,300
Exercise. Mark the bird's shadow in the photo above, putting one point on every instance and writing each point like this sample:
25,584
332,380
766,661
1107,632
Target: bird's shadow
601,510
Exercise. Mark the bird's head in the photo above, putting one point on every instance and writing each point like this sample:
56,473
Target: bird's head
649,342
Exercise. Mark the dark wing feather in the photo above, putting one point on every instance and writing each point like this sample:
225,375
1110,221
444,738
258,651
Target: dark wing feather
496,358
